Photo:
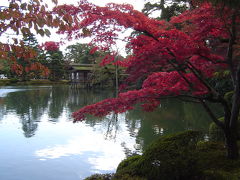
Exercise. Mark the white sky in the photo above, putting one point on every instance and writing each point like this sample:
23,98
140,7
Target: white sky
137,4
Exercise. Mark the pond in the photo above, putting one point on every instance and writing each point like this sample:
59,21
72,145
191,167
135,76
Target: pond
39,141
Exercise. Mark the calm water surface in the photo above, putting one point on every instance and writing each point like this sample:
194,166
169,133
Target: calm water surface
39,141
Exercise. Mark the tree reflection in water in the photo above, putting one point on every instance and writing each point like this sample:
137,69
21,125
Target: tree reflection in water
173,115
29,105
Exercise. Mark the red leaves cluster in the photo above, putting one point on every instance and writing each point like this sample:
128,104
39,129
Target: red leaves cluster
107,60
32,70
124,102
37,68
205,21
51,46
17,68
93,50
102,23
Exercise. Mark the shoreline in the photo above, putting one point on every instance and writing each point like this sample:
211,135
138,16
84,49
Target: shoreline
7,82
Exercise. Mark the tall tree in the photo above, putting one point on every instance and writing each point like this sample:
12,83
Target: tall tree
55,61
175,58
25,68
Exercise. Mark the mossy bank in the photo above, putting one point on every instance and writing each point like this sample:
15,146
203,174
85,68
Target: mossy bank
178,157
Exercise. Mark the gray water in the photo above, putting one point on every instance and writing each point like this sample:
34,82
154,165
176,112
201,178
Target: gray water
40,142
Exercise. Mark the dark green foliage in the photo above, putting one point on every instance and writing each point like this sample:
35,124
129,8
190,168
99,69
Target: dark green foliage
171,157
222,82
100,177
105,76
13,80
166,8
56,64
30,41
81,53
5,67
216,133
128,161
181,156
214,165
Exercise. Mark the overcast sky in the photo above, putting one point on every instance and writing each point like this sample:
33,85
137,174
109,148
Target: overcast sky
137,4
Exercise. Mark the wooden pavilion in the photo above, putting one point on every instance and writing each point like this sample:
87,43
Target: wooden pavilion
80,75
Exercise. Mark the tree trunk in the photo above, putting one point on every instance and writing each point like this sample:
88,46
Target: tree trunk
231,144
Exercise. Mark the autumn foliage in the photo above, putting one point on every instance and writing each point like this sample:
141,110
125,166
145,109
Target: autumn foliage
51,46
21,18
18,18
176,58
171,61
34,69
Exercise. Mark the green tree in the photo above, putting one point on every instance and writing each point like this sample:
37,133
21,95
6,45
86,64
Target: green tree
81,53
5,67
166,8
56,64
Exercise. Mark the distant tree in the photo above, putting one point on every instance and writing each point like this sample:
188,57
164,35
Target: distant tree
5,67
55,60
166,8
81,53
105,74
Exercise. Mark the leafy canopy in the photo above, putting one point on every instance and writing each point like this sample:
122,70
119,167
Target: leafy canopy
171,61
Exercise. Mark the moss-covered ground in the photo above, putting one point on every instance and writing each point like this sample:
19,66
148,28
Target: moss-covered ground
183,156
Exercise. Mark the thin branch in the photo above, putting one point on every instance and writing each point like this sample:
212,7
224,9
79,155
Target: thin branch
208,59
180,73
230,47
199,76
211,114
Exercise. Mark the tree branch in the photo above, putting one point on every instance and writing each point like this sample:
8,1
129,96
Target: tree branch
211,114
230,48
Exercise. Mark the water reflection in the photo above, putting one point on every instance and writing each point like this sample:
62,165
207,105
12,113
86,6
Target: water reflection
173,116
95,145
102,157
31,105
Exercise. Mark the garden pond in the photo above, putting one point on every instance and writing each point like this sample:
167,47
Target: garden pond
40,141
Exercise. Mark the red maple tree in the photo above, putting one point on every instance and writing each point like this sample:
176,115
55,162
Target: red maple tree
176,58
